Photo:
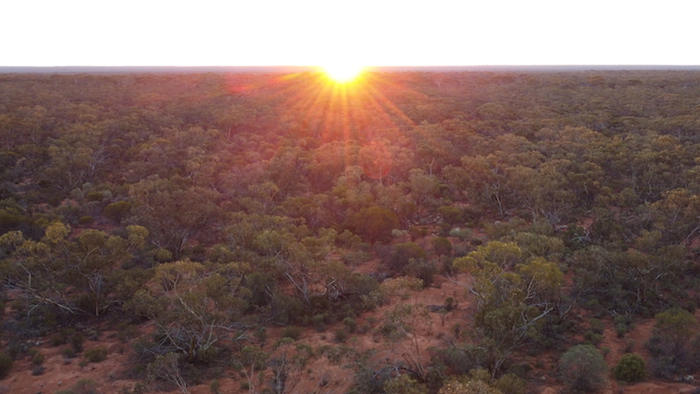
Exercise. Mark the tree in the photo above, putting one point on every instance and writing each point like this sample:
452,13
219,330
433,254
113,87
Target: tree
583,368
672,344
77,275
374,224
174,214
253,361
401,328
167,367
197,306
512,296
631,368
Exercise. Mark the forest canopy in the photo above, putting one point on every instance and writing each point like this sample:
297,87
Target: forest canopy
216,206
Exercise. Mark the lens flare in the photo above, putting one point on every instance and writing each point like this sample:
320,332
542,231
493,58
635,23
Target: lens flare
343,73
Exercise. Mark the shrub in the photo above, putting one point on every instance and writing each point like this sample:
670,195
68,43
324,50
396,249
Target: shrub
631,368
86,220
671,345
38,358
350,324
441,246
596,325
57,340
96,355
510,384
341,335
583,368
215,386
422,270
77,340
593,338
5,364
404,384
623,324
117,211
293,332
95,196
402,254
68,352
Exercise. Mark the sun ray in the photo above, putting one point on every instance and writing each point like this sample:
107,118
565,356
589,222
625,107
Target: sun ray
343,73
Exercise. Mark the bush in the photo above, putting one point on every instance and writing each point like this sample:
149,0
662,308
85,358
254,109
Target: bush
673,350
215,386
404,384
117,211
293,332
350,324
341,335
593,338
96,355
510,384
631,368
623,324
95,196
583,368
38,358
5,364
422,270
68,352
596,325
77,340
441,246
402,254
57,340
86,220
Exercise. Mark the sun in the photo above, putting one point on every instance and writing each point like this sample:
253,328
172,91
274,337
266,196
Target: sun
343,72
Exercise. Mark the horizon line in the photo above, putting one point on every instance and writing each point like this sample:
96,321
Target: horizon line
303,68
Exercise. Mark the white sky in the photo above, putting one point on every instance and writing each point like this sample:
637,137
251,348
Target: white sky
366,32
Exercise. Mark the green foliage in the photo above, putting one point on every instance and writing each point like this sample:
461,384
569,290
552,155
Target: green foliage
596,325
451,214
350,324
404,384
37,356
77,341
593,338
583,368
510,384
86,220
674,344
117,211
422,270
466,385
341,335
5,364
401,255
623,324
96,355
513,296
220,173
374,224
68,352
441,246
293,332
82,386
631,368
215,386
